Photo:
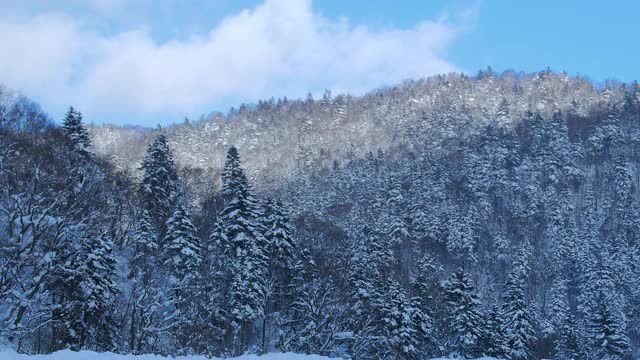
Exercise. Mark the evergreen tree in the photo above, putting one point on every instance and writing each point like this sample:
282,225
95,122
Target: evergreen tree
85,177
607,137
462,238
517,324
246,258
310,324
494,338
100,293
83,292
465,320
370,264
159,184
430,299
279,249
145,247
146,292
77,133
63,283
623,185
503,113
280,244
393,223
404,325
568,343
632,98
183,251
607,334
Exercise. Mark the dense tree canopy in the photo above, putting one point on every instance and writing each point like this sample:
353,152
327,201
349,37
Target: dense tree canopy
496,215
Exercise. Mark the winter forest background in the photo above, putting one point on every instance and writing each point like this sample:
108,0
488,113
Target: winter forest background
495,215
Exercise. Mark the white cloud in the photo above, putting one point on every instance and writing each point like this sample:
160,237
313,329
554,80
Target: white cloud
280,47
38,55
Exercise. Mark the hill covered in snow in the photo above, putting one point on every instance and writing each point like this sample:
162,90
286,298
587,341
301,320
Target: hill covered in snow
282,138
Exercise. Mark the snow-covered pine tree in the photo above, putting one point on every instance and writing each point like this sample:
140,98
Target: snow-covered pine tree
247,261
145,247
607,137
183,261
183,251
430,300
632,98
83,292
594,268
63,286
503,114
404,326
100,291
465,321
85,178
462,235
326,102
280,244
609,342
80,282
310,324
494,338
280,251
393,224
568,344
77,133
146,292
370,264
517,324
623,185
206,318
159,188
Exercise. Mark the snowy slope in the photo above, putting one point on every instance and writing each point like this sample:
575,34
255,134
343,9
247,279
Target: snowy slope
90,355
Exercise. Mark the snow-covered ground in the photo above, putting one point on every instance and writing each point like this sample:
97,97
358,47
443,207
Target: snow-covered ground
90,355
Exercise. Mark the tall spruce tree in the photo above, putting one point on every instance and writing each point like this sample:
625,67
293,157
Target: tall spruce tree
430,299
280,251
77,133
370,264
146,292
145,247
609,341
494,338
280,243
246,257
568,344
159,184
183,260
465,320
517,324
404,326
100,295
183,251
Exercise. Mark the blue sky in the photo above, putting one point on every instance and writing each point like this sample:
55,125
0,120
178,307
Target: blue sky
146,62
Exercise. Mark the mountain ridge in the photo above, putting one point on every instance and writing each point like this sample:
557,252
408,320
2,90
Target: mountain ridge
283,138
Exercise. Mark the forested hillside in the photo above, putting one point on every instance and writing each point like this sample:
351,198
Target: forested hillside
282,138
495,215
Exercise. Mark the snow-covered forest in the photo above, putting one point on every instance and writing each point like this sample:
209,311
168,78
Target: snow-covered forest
496,215
91,355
